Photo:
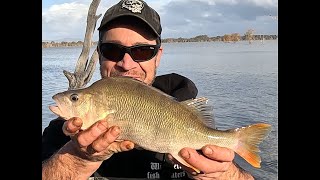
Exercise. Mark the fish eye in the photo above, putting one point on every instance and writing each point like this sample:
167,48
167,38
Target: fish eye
74,97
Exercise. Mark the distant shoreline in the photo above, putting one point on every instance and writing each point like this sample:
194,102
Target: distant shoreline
200,38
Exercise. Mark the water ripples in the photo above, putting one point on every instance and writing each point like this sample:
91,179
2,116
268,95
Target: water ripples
240,80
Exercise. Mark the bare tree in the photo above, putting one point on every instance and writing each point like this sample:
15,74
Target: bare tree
85,68
249,35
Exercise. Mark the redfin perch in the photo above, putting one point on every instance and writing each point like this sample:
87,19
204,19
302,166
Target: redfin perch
155,121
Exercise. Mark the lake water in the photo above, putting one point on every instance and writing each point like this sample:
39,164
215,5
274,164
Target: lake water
240,80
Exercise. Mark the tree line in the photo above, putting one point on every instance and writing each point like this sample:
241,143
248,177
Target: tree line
234,37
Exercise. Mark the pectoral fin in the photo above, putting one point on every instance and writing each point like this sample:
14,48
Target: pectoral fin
183,162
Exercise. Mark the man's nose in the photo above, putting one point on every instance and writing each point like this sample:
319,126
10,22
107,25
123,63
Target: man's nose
127,63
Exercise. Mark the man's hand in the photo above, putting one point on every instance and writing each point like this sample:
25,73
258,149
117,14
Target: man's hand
84,153
214,163
98,142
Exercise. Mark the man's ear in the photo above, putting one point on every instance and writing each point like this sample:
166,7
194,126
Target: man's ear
158,56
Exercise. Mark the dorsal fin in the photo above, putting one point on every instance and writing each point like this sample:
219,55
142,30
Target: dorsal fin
200,105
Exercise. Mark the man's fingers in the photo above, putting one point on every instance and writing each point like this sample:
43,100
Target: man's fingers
91,134
203,163
218,153
126,145
116,147
105,140
108,140
72,126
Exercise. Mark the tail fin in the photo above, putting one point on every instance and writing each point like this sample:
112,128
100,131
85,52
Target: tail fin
249,139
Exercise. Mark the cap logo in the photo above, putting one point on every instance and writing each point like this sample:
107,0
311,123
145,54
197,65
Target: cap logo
134,6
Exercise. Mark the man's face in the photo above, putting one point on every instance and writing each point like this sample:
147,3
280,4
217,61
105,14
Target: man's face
129,36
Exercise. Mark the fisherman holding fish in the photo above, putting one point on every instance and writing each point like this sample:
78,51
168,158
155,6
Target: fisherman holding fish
99,139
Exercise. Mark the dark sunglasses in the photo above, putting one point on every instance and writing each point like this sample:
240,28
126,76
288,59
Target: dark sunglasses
139,53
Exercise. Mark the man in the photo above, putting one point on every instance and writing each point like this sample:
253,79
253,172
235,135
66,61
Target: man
129,45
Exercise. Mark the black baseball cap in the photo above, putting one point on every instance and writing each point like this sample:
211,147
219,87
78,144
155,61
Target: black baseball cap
134,8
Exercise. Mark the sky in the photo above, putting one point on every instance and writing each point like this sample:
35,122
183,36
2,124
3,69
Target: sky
66,19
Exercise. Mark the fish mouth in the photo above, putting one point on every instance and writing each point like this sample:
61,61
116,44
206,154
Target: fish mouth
56,110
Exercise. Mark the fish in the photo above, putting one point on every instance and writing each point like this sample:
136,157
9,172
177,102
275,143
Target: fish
156,121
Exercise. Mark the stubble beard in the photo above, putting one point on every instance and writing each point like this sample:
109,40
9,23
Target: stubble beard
141,76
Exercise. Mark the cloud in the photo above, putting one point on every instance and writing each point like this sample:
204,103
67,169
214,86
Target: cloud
69,20
194,17
180,18
64,20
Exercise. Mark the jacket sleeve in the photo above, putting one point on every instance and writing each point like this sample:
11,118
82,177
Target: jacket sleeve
177,86
53,138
